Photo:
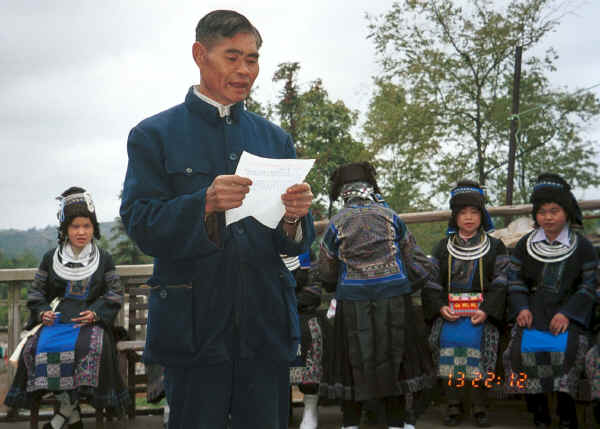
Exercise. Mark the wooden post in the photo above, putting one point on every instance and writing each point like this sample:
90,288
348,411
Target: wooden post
14,321
512,147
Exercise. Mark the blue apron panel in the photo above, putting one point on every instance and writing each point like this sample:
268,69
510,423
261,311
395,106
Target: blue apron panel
461,333
60,337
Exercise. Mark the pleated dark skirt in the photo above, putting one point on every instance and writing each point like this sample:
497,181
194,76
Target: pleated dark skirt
375,349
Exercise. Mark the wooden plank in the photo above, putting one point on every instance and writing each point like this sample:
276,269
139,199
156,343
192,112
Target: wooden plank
27,274
131,345
444,215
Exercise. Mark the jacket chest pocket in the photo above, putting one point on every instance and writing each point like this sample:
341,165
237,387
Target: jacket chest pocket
189,176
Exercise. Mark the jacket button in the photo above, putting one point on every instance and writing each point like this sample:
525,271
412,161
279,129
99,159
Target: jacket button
233,156
163,294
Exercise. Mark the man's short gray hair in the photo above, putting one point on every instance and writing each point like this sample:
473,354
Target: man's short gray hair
224,23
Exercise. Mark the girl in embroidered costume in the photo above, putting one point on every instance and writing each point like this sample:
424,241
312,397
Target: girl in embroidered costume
552,282
372,260
74,354
467,303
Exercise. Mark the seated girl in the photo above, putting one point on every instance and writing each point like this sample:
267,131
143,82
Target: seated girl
76,295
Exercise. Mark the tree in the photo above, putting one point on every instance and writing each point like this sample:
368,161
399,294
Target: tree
405,150
453,66
253,105
321,129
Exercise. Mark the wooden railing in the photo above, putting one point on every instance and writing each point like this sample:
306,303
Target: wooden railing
20,278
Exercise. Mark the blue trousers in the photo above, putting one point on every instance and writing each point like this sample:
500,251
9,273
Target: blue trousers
255,393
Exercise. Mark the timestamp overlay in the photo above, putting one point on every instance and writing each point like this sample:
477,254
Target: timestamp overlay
458,380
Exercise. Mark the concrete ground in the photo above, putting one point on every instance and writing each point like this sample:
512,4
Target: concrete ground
504,415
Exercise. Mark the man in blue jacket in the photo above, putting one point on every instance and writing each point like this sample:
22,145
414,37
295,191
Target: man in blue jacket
222,310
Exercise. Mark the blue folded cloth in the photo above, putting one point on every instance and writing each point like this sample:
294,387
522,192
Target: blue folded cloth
543,341
59,337
461,333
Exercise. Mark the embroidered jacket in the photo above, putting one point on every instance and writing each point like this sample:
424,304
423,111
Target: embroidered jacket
465,278
101,292
567,287
219,293
368,251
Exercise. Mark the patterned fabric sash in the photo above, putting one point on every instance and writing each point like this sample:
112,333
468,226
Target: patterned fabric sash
460,349
550,364
55,356
65,357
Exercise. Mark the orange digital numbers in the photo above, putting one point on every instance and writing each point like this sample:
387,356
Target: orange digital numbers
516,380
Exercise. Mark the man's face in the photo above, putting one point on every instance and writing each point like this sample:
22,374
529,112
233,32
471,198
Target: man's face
228,68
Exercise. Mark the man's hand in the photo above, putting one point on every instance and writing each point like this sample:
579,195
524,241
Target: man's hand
478,317
297,200
559,324
85,317
525,319
448,314
226,192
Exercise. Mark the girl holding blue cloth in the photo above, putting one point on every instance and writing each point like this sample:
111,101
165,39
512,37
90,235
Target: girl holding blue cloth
552,283
467,303
73,355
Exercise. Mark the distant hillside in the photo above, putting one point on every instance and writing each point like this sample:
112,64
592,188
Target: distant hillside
14,242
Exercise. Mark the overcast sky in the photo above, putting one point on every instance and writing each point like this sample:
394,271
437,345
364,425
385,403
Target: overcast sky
77,75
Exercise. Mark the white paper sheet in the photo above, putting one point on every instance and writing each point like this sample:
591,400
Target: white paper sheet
270,179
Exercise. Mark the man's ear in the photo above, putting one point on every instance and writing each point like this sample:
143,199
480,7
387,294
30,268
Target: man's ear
199,53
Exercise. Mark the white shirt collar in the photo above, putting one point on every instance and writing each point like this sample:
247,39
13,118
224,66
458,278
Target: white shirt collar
223,109
82,257
563,237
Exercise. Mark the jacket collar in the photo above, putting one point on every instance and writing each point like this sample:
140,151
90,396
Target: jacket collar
208,112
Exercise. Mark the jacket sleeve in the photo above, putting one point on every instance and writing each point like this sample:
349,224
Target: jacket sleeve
38,297
433,295
494,301
328,257
107,306
580,305
518,290
161,224
421,272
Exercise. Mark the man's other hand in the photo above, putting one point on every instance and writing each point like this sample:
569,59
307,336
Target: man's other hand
297,200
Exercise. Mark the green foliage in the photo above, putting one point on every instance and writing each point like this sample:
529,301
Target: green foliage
428,234
125,251
448,69
321,129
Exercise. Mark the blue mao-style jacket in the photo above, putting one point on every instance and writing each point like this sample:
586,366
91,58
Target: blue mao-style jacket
218,293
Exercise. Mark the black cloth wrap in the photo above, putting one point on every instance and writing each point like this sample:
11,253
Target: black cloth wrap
561,196
358,172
